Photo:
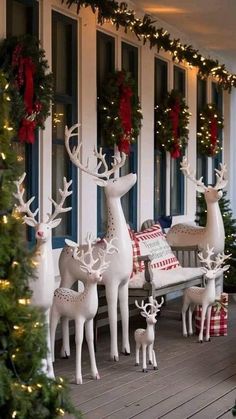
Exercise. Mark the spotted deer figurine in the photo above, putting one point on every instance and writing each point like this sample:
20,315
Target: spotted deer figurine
213,234
82,307
145,337
116,277
43,283
204,296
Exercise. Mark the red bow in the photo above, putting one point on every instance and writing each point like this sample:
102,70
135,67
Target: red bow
26,131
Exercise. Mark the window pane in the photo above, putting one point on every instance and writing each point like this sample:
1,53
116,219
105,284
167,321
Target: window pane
176,188
179,80
129,200
160,85
22,17
201,103
217,99
64,112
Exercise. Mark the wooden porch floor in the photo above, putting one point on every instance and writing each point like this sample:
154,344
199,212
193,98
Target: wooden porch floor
193,380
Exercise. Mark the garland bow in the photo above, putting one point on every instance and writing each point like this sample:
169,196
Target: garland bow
172,120
120,111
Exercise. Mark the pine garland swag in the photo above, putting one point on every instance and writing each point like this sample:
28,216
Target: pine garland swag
172,119
30,91
210,124
120,111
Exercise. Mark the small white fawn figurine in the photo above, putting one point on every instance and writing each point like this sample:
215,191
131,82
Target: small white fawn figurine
213,234
82,307
203,296
43,284
116,277
145,337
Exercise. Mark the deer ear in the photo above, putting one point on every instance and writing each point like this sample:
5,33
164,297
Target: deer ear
54,223
143,314
30,221
225,268
200,189
101,182
70,243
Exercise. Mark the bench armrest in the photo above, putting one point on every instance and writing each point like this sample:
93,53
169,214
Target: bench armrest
147,264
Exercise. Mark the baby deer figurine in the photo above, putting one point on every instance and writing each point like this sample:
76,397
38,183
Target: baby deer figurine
146,337
203,296
82,307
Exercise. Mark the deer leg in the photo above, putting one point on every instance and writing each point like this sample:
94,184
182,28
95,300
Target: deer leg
79,335
208,338
154,359
184,309
90,341
54,318
200,337
50,371
190,319
137,349
150,356
65,349
144,350
111,296
124,311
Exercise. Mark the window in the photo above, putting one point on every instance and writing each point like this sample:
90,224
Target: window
161,88
105,65
22,18
64,112
129,200
176,177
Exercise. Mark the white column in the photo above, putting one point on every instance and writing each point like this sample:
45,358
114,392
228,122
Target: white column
229,152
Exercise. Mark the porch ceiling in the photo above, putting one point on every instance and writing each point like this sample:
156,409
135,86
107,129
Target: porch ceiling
207,25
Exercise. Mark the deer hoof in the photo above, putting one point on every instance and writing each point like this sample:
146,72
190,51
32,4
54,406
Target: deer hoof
200,341
155,368
79,381
115,358
64,355
185,335
190,334
145,370
208,340
126,353
97,377
136,364
150,362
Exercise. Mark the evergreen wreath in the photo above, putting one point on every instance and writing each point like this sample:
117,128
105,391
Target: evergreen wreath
120,111
172,119
30,88
210,124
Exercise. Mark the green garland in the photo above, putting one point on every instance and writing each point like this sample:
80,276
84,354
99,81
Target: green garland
25,66
210,123
120,15
120,111
172,119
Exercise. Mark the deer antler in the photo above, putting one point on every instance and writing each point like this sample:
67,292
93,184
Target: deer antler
75,157
86,259
220,181
59,207
143,306
185,167
24,206
155,304
208,261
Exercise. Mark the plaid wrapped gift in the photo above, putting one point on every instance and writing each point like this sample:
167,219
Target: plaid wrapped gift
219,317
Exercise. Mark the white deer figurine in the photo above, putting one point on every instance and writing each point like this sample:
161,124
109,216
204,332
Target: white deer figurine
116,277
203,296
82,307
43,284
145,337
213,234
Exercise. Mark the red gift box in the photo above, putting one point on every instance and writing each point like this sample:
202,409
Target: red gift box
219,317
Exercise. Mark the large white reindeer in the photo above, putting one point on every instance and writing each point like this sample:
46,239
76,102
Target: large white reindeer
117,275
82,307
203,296
43,284
145,337
213,233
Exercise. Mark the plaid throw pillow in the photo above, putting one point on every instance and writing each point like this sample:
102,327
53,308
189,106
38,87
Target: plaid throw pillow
152,242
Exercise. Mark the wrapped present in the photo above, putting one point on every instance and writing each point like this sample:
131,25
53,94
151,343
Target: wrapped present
219,317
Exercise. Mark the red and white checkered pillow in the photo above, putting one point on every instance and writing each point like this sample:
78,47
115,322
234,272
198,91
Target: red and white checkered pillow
152,242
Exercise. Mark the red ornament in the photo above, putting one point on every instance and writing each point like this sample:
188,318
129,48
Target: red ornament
124,146
26,131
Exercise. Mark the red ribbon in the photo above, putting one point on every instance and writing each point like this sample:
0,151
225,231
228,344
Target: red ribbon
213,134
29,69
125,114
174,116
26,131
